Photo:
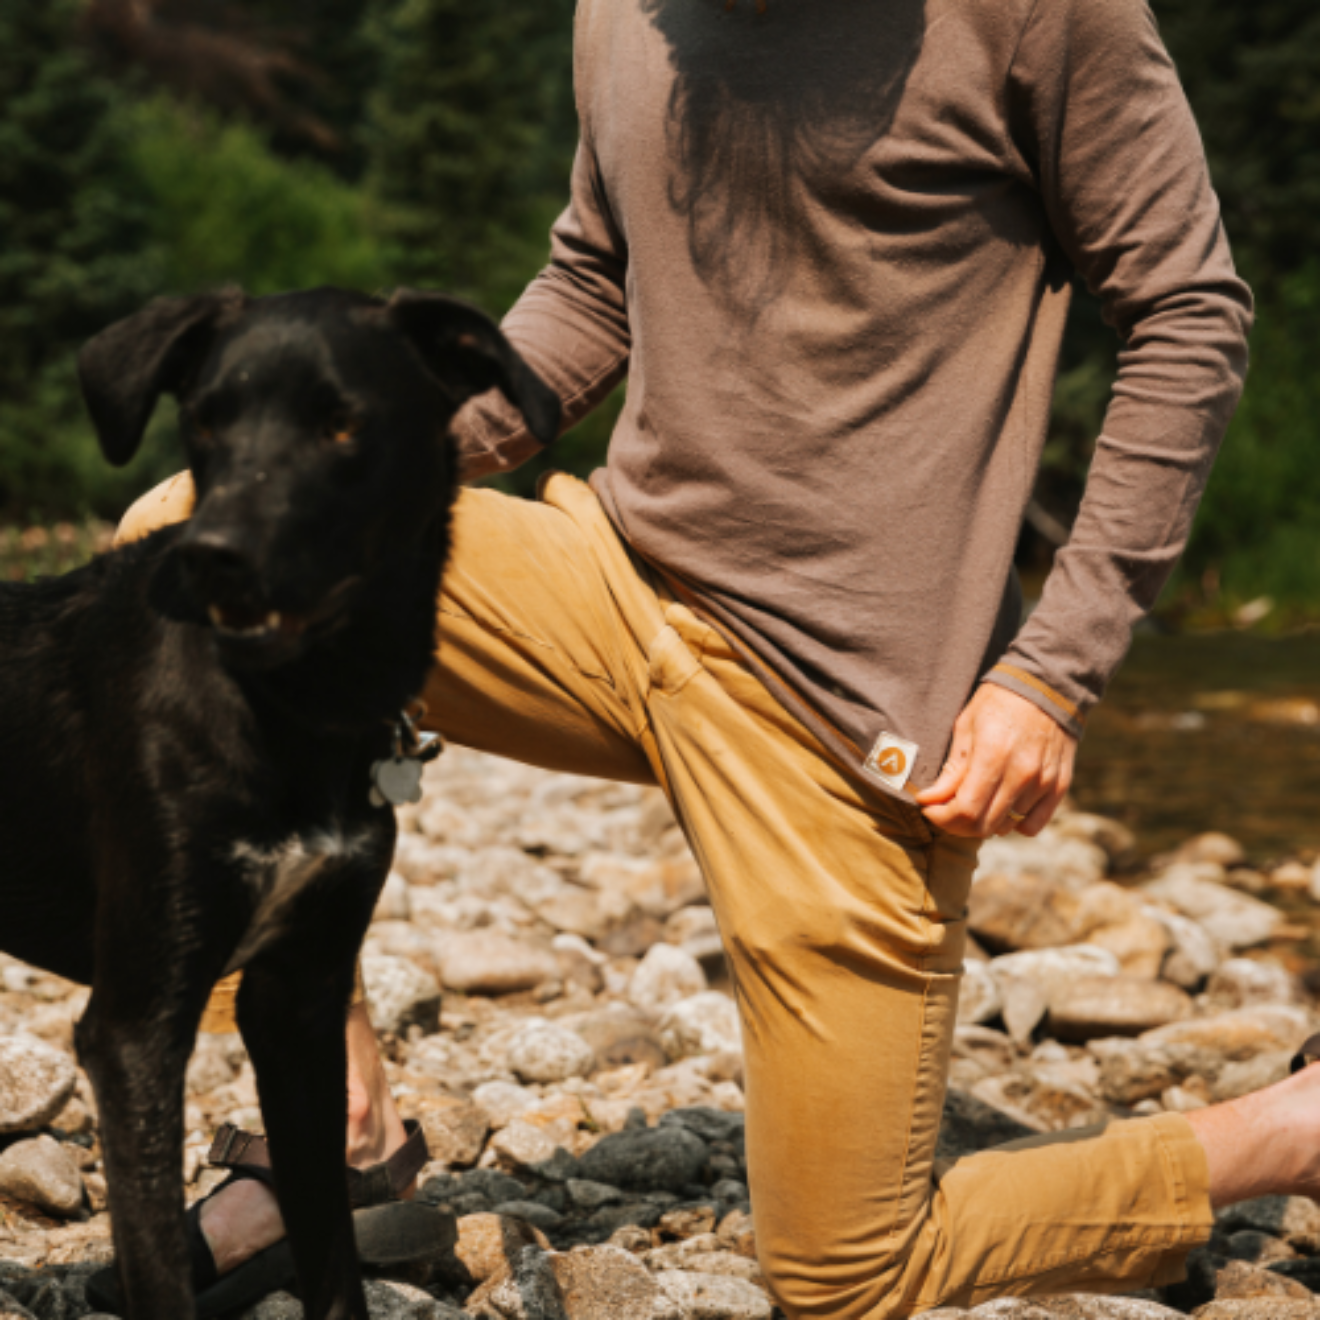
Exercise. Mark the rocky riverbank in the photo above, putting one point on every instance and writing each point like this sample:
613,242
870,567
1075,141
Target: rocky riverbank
547,981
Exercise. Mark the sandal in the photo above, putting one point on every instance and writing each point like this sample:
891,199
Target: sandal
1308,1054
390,1232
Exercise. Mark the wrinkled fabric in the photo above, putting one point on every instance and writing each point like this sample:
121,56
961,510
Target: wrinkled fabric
830,245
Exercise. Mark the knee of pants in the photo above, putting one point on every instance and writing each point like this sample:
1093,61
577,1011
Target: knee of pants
170,502
867,1289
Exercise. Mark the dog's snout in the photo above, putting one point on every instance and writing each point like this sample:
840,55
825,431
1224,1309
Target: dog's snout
218,565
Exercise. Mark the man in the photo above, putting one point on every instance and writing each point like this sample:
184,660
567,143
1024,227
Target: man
831,246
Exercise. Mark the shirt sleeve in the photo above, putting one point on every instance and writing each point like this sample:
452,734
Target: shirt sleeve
1100,118
571,325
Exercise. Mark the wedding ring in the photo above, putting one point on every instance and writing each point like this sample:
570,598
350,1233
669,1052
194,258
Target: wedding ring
1017,817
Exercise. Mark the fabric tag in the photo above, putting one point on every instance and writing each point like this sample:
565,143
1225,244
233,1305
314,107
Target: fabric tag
892,759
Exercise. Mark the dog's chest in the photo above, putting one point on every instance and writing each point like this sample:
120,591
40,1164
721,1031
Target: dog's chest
285,875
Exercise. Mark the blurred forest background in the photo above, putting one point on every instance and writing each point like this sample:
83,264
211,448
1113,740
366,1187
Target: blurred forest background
151,146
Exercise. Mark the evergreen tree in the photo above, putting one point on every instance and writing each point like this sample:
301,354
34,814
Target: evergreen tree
470,137
1252,70
76,251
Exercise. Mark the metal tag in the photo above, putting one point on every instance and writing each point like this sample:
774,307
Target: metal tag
396,781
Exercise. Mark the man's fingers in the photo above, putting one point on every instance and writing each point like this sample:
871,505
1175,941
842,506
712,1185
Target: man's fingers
966,813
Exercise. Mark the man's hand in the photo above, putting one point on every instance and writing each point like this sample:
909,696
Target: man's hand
1008,768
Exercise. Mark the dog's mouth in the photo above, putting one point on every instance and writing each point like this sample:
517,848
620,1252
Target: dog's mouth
254,625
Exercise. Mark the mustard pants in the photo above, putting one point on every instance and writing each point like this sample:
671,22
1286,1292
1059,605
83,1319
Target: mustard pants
842,914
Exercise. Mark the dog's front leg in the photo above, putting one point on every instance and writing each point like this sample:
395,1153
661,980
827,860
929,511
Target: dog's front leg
291,1010
135,1040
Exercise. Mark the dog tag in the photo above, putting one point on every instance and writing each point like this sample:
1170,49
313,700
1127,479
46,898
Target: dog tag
396,781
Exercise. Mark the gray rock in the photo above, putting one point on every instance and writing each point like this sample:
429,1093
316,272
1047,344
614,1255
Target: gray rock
978,996
619,1037
646,1160
605,1283
1244,982
1011,912
1259,1308
35,1083
704,1023
1237,1079
970,1125
532,1212
485,962
41,1172
1214,847
386,1300
1088,1307
11,1310
588,1195
1193,953
665,976
1240,1034
546,1052
1236,920
400,995
714,1296
1072,862
1131,1071
531,1292
1090,1006
708,1124
1295,1219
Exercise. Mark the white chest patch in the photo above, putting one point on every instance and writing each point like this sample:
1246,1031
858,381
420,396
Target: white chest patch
279,875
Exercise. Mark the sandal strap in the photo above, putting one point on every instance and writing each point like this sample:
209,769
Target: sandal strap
248,1153
388,1180
1308,1054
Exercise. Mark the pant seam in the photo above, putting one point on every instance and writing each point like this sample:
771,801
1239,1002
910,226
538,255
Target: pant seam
1163,1240
900,1222
1176,1182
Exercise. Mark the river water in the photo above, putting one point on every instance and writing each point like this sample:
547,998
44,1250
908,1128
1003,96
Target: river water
1211,731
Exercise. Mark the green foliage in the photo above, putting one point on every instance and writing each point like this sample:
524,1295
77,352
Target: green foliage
1252,72
226,208
77,247
470,137
1258,533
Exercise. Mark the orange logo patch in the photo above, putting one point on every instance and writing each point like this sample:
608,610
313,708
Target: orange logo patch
891,760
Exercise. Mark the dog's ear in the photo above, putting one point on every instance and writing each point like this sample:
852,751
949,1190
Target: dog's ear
129,365
468,354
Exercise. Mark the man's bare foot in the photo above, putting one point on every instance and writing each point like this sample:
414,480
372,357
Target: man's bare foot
1266,1143
245,1218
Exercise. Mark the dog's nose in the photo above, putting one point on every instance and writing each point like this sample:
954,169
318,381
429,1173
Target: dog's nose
218,565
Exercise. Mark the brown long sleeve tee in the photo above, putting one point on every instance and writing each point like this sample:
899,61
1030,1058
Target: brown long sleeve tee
831,245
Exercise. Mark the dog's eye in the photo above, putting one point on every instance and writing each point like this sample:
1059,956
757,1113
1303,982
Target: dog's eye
199,427
341,428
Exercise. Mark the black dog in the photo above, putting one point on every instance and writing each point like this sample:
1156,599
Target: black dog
197,731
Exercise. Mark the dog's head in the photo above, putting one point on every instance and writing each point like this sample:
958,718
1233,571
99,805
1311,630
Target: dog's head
316,428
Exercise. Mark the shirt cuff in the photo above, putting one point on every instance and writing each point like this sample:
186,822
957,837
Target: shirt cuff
1041,695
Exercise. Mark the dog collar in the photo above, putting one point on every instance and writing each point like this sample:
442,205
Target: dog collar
398,779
